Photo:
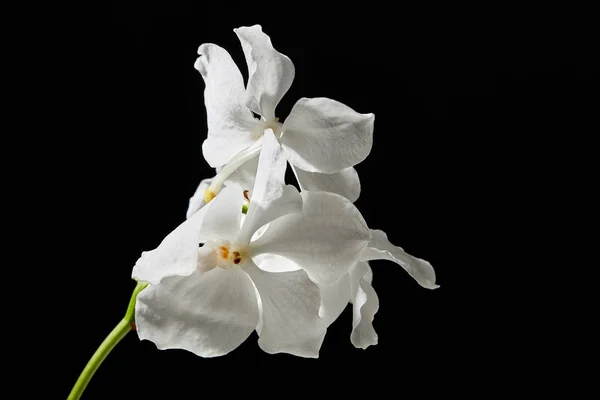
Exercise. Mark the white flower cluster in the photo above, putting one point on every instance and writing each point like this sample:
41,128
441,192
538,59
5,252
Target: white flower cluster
255,253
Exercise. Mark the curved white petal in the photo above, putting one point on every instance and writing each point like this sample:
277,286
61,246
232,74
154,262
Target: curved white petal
244,175
196,202
324,135
177,254
325,239
380,248
231,126
271,198
345,183
334,298
365,306
209,314
290,312
270,73
222,221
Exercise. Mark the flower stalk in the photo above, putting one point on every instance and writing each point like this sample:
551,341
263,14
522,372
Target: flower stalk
113,338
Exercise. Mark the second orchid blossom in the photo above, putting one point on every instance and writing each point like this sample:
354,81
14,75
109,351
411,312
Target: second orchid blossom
322,139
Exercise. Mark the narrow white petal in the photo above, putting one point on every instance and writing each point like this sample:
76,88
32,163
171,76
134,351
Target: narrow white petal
196,202
290,312
177,254
231,126
334,298
324,135
325,239
345,183
222,221
244,176
209,314
270,73
271,198
366,305
380,248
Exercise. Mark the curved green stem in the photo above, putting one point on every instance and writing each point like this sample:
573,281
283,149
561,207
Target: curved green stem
114,337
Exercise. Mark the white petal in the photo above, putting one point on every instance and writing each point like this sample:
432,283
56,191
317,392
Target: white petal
334,298
345,183
244,176
324,135
222,221
274,263
231,126
366,305
290,312
380,248
325,239
209,314
270,73
360,270
177,254
271,198
196,202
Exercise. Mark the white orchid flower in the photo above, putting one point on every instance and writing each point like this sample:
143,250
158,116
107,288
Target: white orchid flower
321,138
356,287
209,299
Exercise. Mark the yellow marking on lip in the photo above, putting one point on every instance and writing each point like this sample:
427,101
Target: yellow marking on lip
209,195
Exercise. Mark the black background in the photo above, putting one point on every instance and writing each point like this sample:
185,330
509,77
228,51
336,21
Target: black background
483,164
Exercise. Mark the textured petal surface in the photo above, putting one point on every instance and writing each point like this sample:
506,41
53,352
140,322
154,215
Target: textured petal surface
324,135
334,298
345,183
197,200
270,73
223,220
209,314
177,254
231,126
290,312
380,248
271,198
325,239
365,306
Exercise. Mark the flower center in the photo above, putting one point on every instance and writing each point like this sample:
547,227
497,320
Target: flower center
229,255
275,126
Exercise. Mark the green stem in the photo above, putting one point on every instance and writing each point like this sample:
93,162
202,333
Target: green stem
114,337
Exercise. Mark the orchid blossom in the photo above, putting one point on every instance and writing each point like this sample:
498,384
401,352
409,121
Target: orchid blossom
209,299
321,138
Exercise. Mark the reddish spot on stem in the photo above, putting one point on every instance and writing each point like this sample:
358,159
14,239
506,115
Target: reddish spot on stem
133,327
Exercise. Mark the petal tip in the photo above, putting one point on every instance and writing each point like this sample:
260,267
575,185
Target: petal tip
199,65
242,29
